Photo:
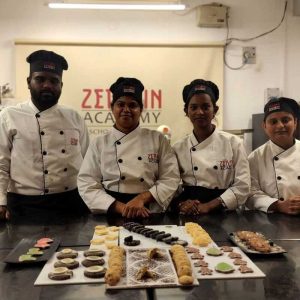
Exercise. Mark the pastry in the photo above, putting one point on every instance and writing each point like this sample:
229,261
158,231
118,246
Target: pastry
42,245
154,253
197,256
98,241
245,269
144,273
110,245
114,228
192,250
234,255
67,253
101,231
214,251
45,240
223,267
201,263
205,271
226,249
129,241
93,261
35,252
115,265
100,227
26,258
95,272
184,270
61,273
180,242
111,237
93,252
186,280
69,263
239,262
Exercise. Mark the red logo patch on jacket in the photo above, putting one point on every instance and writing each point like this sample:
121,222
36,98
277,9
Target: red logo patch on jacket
226,164
74,142
153,158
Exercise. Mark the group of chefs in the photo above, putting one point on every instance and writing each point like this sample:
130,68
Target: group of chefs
49,166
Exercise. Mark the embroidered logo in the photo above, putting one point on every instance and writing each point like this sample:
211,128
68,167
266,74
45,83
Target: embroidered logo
74,142
200,88
226,164
153,158
274,106
129,89
49,65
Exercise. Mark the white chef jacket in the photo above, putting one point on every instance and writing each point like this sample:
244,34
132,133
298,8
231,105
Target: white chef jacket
40,152
219,162
132,163
275,174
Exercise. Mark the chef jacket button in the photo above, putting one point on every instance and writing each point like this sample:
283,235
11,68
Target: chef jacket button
276,158
46,171
195,168
42,132
122,177
63,151
281,199
142,180
66,188
44,152
298,177
139,158
193,149
120,160
278,177
216,167
61,132
118,143
37,115
65,169
46,191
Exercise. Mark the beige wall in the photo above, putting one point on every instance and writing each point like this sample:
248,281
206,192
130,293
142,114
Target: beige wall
94,67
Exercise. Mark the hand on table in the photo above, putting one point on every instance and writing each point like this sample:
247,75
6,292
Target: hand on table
135,208
189,207
289,206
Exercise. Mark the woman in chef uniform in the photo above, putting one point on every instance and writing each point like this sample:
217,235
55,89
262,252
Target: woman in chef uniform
275,166
131,170
213,164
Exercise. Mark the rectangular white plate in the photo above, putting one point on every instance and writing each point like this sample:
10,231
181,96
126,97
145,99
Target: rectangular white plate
214,260
78,276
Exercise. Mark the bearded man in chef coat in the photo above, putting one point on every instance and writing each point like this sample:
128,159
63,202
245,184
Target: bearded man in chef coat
275,166
42,146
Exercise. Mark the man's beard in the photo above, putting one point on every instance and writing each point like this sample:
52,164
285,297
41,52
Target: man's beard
44,99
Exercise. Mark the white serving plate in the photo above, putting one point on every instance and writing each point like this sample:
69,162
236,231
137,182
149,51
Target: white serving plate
78,276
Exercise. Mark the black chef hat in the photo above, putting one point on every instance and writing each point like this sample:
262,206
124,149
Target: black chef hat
47,61
125,86
281,104
200,86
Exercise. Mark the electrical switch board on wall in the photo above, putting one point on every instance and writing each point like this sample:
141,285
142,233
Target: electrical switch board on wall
211,15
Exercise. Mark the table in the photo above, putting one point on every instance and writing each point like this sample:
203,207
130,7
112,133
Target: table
282,272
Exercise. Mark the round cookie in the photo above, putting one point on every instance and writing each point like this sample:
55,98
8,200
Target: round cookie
95,272
61,273
67,253
223,267
213,251
69,263
93,261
